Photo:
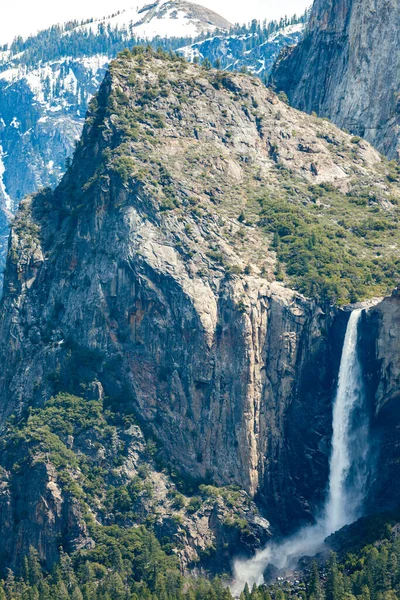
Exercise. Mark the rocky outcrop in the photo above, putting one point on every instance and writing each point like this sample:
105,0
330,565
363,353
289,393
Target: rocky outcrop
34,512
148,278
347,69
67,472
43,102
211,367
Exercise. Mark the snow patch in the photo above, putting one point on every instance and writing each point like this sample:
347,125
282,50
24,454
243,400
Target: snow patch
10,74
55,85
3,190
286,31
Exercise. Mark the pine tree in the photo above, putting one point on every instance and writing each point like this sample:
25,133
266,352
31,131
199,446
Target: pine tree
393,568
365,594
246,592
10,585
116,587
61,591
334,582
371,573
279,595
76,594
314,586
382,576
255,593
34,566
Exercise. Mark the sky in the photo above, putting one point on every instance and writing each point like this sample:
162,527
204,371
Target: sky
23,17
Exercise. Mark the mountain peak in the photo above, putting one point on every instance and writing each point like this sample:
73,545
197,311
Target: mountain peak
163,18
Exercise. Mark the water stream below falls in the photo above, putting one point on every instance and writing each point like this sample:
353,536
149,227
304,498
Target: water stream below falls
347,478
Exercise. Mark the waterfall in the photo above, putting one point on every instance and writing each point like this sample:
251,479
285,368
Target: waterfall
347,478
348,465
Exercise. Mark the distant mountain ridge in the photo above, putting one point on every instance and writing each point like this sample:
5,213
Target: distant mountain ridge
237,51
165,18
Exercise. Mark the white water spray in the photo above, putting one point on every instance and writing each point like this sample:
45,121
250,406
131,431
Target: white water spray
348,466
347,479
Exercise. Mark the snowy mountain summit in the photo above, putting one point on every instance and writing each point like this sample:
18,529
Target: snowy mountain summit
163,18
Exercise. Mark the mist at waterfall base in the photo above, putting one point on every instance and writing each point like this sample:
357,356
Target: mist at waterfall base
347,478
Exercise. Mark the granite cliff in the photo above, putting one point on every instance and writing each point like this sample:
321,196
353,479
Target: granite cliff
159,280
380,351
347,69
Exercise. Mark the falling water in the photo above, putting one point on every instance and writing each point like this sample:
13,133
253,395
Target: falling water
348,473
348,466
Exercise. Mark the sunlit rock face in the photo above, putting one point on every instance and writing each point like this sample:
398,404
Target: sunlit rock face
347,68
139,281
226,366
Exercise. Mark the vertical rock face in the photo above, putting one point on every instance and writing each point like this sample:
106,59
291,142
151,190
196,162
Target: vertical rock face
228,390
380,344
34,512
148,274
347,68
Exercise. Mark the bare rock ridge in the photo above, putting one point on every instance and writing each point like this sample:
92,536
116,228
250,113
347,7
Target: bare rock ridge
347,68
148,280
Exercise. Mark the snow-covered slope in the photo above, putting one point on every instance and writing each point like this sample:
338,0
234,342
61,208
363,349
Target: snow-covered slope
163,18
60,84
41,115
42,111
243,51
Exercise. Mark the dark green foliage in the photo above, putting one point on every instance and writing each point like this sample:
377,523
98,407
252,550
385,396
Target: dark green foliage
126,565
127,560
371,574
314,584
328,257
334,589
365,532
283,97
43,435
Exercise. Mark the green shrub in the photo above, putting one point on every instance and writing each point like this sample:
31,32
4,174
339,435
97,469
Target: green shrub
194,505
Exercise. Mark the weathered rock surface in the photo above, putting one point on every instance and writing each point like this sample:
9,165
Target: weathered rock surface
43,101
48,507
347,68
381,355
136,279
35,512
